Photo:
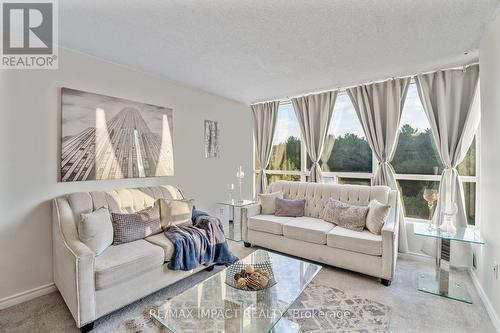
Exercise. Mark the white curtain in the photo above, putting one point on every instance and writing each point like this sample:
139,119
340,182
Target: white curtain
448,97
314,113
327,152
264,125
379,107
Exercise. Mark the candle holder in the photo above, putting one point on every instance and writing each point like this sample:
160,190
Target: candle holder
230,189
240,175
447,226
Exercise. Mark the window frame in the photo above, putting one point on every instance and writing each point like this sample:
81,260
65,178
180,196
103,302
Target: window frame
304,173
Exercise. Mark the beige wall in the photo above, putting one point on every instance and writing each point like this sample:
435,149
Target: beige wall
29,125
489,58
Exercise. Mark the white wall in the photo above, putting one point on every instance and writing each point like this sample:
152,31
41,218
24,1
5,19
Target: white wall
489,58
29,125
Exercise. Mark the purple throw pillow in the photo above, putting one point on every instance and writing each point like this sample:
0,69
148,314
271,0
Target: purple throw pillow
291,208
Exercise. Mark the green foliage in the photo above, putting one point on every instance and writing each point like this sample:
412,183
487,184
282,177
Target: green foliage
350,154
286,155
416,153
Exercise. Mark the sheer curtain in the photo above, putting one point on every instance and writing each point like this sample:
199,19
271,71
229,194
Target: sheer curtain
264,125
327,152
448,98
314,113
379,107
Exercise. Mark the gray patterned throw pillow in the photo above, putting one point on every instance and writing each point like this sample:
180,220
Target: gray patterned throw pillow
138,225
345,215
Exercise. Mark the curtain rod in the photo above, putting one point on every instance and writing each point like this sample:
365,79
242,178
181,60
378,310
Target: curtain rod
288,98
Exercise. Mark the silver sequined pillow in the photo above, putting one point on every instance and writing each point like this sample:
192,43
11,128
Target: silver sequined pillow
131,227
345,215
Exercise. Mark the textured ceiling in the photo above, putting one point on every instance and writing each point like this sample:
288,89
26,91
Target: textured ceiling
259,50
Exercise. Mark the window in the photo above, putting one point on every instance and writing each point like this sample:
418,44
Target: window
348,159
417,164
416,151
354,181
285,154
346,149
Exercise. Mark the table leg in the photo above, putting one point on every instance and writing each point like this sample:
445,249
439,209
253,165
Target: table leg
443,266
231,215
441,283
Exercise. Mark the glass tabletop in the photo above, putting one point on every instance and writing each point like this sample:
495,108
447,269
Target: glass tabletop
236,203
214,306
467,235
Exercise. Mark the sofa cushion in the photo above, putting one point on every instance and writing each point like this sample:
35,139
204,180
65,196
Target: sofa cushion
268,202
356,241
376,217
96,230
345,215
166,244
307,229
175,212
122,262
288,207
135,226
268,223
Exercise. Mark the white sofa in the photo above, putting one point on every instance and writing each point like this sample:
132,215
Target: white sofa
93,286
312,238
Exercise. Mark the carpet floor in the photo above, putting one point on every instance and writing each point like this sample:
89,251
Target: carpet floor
411,311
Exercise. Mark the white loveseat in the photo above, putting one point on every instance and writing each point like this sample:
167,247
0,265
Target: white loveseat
312,238
93,286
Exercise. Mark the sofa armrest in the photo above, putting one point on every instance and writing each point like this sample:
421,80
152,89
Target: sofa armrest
390,233
246,213
73,265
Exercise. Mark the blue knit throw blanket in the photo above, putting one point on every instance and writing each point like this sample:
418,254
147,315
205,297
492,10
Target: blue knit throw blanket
203,243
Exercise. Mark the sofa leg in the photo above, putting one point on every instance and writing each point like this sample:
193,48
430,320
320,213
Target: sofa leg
87,327
247,244
385,282
209,268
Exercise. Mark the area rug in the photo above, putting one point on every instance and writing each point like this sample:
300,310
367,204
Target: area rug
318,309
332,309
325,309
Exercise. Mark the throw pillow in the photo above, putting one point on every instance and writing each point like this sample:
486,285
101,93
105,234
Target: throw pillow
377,214
345,215
138,225
175,212
291,208
268,202
96,230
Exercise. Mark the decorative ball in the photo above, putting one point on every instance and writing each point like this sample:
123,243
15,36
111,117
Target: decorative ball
241,283
252,283
249,269
237,276
264,281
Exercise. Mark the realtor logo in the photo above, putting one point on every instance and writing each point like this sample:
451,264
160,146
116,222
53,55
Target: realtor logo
29,34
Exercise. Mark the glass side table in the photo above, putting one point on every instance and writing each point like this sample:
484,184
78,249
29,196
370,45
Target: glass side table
232,229
440,283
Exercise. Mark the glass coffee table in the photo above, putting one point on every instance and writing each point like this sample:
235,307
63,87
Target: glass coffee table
214,306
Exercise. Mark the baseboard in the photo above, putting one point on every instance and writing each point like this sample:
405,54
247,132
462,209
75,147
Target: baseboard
486,301
27,295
